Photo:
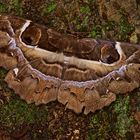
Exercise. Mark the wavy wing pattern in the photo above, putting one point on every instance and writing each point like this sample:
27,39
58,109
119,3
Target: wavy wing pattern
83,74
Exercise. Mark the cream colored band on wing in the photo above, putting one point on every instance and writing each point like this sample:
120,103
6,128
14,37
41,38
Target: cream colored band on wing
52,57
27,23
120,51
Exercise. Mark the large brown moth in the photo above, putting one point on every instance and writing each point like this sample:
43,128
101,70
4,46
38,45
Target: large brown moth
83,74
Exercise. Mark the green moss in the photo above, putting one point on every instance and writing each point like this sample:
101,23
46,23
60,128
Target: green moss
85,9
3,7
117,122
112,29
17,112
109,25
100,126
16,6
2,73
49,8
96,32
81,25
124,121
94,120
61,130
125,28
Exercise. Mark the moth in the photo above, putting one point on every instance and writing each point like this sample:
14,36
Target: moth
83,74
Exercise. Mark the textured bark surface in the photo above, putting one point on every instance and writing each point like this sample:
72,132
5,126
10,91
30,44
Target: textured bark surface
83,74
